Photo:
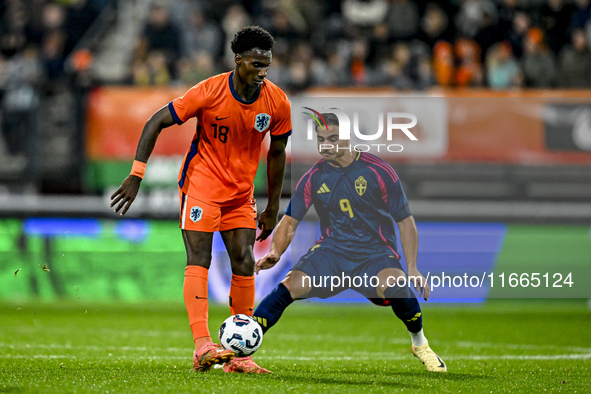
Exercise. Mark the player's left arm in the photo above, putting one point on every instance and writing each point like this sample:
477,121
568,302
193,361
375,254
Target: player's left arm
275,172
409,238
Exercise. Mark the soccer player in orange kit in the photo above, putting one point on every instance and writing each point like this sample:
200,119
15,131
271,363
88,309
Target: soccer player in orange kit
234,111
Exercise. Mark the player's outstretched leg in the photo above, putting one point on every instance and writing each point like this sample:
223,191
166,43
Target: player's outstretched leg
272,306
244,365
210,354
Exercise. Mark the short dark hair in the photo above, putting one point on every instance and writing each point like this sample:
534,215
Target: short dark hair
330,119
251,37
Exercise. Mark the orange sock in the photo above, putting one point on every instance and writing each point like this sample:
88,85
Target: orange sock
242,295
195,294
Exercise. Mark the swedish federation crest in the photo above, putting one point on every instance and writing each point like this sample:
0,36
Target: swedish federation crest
360,185
196,214
262,122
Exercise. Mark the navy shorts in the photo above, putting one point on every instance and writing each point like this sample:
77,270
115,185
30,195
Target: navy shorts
325,264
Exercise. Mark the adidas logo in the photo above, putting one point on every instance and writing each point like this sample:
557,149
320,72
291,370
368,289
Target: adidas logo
415,317
261,320
323,189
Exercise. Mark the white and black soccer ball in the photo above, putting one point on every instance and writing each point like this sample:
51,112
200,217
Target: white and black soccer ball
241,334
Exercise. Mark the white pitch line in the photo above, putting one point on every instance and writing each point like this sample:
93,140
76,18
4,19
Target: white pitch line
117,333
356,357
39,356
518,346
97,348
296,337
473,345
526,357
447,357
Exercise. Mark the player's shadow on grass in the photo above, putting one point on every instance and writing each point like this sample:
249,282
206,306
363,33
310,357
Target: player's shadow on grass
449,376
318,378
446,376
380,379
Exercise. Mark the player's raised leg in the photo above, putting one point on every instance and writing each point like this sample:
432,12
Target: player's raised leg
271,308
239,243
407,308
198,247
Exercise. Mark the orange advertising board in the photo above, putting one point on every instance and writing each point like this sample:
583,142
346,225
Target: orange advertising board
116,116
533,127
511,129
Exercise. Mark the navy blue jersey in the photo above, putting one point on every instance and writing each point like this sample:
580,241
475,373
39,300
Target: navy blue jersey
357,205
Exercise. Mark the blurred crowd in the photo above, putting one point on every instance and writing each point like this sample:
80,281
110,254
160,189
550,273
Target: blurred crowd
37,36
408,45
399,43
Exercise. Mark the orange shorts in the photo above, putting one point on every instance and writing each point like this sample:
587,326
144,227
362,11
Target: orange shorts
197,215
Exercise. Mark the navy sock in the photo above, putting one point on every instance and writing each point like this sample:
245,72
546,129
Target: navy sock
409,311
405,306
272,306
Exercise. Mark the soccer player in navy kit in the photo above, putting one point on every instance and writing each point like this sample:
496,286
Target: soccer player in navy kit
358,197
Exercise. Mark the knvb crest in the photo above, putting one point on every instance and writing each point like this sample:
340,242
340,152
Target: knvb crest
262,122
196,214
360,185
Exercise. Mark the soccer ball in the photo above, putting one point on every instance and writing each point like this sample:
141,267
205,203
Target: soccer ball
241,334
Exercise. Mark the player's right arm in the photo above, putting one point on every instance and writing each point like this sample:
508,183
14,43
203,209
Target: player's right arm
127,192
282,237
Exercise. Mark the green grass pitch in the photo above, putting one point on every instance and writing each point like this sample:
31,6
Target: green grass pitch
500,346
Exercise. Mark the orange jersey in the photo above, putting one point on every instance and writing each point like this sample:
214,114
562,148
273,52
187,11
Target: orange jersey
224,156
